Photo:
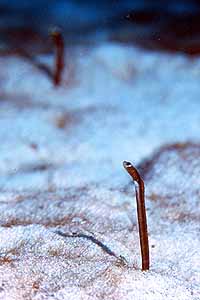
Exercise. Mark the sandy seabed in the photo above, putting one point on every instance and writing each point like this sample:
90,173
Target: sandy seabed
68,225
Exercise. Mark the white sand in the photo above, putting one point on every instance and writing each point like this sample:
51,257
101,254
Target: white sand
118,103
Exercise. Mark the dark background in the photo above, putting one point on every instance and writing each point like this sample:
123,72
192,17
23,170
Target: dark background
167,25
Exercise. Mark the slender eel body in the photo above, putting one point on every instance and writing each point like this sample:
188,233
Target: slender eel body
59,57
141,213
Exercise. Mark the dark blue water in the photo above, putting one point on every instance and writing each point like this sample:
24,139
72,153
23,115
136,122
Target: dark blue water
74,14
164,24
